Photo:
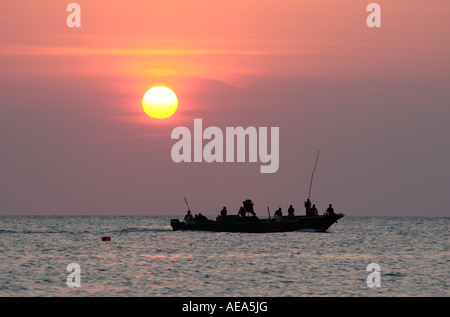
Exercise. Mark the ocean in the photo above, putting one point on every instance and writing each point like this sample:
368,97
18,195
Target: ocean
146,258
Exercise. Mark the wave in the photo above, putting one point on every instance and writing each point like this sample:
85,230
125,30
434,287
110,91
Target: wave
150,229
7,231
33,232
126,230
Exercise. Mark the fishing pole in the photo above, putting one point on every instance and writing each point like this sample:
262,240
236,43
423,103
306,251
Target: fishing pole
189,208
310,183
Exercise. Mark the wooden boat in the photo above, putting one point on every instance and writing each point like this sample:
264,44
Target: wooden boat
253,224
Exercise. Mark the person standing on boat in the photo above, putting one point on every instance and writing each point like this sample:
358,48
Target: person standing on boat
248,207
314,210
308,206
241,212
291,212
188,218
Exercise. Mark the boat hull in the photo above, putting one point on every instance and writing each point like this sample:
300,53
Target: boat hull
255,225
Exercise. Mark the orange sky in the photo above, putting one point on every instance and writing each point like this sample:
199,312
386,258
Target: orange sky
149,42
216,39
270,61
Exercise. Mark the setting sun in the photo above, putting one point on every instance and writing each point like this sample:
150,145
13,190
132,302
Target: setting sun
159,102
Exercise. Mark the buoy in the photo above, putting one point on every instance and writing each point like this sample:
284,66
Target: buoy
106,238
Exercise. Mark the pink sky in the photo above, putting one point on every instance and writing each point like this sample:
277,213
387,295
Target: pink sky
375,102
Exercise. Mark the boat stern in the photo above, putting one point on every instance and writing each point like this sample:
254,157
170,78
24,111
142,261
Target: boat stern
175,224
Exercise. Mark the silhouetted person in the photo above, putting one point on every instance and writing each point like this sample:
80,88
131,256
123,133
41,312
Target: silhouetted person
314,210
278,214
201,218
223,212
188,217
330,210
308,206
291,212
248,206
241,212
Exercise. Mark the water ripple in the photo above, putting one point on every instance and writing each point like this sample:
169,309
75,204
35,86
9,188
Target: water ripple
146,258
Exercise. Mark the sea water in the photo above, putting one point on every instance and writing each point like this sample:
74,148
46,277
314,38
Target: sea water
146,258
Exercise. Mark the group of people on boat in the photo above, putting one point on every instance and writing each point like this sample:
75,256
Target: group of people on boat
278,213
188,218
312,210
243,211
247,208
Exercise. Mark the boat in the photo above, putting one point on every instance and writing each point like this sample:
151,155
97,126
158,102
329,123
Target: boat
252,224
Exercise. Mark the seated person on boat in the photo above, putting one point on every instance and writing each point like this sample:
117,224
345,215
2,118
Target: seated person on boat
278,214
291,211
330,211
223,212
200,218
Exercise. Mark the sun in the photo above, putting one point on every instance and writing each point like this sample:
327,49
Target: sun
159,102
